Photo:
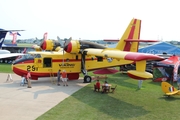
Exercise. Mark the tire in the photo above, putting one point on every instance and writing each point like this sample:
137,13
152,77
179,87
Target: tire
87,79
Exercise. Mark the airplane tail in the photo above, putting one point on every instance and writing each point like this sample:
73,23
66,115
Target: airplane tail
2,37
129,40
168,89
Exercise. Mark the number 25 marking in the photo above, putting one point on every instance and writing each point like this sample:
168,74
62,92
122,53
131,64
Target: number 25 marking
32,68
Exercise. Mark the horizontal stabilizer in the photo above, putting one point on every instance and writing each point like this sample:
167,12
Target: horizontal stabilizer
130,40
137,40
172,93
2,30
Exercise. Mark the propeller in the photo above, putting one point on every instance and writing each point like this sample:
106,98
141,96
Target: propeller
64,45
43,43
60,41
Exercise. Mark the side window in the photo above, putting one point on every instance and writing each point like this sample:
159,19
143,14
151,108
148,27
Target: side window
99,59
47,62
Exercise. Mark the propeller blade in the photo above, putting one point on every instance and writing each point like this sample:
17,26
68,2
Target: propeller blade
67,41
60,41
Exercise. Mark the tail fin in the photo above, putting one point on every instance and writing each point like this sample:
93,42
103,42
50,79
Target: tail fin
168,89
2,37
132,33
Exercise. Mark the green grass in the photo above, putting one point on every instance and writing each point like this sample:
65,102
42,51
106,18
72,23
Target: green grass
5,68
127,103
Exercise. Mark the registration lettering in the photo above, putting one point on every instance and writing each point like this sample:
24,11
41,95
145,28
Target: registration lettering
32,68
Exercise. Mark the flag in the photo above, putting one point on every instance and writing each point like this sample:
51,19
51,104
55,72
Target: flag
171,89
11,33
24,51
18,34
14,36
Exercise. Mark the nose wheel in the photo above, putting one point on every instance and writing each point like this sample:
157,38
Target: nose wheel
87,79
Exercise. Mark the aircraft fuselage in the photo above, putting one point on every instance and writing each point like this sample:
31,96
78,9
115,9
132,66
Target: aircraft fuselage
41,64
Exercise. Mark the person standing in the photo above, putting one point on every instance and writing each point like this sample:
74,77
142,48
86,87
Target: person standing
58,77
64,78
28,79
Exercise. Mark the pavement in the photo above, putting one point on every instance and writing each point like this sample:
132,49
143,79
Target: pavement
22,103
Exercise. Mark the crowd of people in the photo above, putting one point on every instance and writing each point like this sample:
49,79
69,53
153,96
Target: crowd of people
60,76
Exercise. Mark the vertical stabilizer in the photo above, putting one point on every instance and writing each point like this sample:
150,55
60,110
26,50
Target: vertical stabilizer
132,33
2,37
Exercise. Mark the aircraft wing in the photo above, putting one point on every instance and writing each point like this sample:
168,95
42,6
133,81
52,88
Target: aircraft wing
118,54
139,58
172,93
10,55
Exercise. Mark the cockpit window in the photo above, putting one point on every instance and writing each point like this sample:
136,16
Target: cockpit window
28,56
37,56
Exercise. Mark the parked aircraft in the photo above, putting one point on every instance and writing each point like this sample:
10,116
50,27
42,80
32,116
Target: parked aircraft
6,53
77,56
169,90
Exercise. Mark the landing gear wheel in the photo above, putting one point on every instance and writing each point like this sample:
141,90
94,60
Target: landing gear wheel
87,79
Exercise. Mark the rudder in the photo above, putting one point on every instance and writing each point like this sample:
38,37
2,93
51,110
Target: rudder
132,32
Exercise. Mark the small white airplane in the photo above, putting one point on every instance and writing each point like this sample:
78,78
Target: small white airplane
6,53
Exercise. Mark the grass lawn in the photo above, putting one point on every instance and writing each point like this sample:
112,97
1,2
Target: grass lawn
5,68
127,103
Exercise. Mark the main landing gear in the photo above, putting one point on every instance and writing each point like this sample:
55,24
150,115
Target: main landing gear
87,79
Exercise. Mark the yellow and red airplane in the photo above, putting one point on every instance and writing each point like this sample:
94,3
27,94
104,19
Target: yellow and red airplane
169,90
77,56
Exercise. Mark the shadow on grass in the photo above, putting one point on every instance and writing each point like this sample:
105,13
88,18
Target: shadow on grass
170,98
109,104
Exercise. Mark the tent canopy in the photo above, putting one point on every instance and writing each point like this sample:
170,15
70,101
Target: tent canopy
160,48
170,62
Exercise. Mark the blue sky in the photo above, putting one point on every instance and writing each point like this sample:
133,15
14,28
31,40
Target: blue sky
90,19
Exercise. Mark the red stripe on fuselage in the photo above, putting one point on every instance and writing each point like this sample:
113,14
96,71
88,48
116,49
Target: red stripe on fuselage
72,60
128,44
36,75
56,60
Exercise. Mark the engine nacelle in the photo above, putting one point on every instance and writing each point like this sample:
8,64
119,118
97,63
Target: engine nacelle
73,47
37,48
50,45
